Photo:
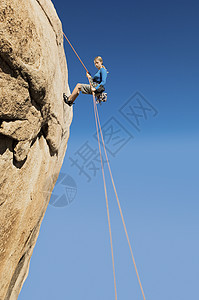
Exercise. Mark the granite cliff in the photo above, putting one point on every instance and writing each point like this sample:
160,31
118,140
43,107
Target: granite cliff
34,129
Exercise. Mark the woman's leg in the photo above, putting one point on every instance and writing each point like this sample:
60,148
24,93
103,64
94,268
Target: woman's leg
75,93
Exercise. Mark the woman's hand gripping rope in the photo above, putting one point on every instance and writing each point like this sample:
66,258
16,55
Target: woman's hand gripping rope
89,77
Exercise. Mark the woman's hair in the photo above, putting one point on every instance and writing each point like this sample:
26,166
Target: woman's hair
101,60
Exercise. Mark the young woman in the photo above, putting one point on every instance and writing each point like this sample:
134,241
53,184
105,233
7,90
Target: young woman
97,82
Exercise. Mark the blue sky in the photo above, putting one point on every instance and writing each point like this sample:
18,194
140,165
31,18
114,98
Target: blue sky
151,51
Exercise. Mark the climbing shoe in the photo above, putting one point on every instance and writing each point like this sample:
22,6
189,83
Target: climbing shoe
70,103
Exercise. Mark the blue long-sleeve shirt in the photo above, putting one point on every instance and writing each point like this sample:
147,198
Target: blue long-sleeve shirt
100,77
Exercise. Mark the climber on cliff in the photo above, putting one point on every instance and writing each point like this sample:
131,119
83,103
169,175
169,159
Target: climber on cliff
97,84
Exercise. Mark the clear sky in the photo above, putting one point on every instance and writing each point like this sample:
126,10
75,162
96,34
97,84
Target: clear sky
151,51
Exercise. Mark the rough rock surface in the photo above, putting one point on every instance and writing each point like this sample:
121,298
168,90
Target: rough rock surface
34,129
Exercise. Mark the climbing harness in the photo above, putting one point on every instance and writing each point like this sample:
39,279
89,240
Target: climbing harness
99,130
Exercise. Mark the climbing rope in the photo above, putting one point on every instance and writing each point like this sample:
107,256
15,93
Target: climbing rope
75,52
118,202
98,127
105,191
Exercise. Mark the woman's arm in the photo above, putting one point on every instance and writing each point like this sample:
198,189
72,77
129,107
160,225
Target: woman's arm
104,76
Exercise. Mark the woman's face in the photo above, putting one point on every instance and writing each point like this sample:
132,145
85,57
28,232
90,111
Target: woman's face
98,64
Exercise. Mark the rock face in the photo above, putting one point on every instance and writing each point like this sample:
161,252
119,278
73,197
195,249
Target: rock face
34,129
